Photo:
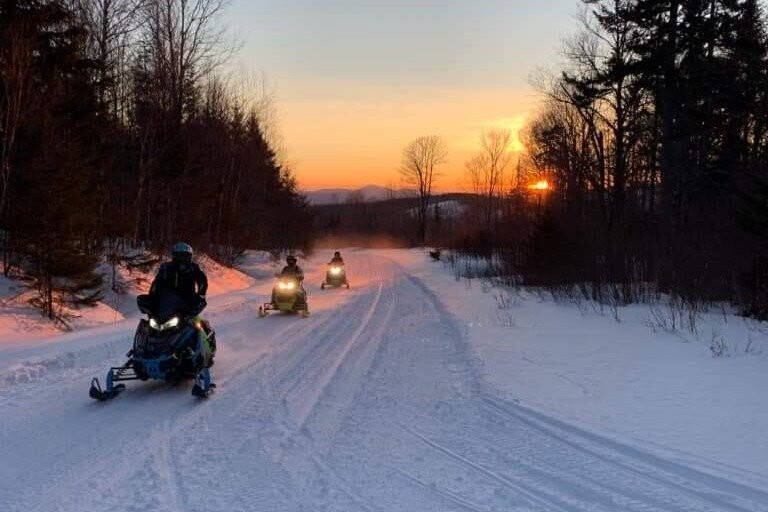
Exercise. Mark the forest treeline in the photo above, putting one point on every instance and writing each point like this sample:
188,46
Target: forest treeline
118,128
654,138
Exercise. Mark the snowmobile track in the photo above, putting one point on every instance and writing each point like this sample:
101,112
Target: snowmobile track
710,491
375,403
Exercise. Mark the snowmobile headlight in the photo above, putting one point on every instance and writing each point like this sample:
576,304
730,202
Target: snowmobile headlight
335,271
170,324
286,285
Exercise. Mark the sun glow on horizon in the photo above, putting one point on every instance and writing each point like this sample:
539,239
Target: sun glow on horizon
352,134
540,186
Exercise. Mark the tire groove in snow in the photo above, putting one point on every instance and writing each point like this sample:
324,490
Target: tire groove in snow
443,493
322,385
700,486
374,404
534,497
168,471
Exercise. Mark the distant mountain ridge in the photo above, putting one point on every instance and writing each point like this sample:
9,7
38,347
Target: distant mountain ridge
364,194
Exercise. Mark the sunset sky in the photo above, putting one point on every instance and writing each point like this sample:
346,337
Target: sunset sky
356,80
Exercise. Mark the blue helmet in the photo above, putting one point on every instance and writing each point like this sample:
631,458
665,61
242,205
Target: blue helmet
182,251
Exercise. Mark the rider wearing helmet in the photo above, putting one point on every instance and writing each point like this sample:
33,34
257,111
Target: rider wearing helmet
184,277
292,269
337,259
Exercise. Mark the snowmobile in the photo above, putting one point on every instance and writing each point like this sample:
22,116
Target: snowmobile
336,276
287,296
171,344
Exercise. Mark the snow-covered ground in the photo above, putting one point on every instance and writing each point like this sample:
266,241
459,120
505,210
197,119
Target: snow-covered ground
20,321
616,371
448,208
410,392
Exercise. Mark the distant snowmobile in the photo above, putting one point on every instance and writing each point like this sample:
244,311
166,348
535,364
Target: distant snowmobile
172,344
336,276
288,296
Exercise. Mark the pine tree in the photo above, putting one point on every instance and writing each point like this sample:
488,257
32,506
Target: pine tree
51,212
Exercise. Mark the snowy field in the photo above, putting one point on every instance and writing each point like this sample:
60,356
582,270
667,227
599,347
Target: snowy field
412,392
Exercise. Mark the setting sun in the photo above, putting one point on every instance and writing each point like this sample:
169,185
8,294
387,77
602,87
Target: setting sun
541,185
485,255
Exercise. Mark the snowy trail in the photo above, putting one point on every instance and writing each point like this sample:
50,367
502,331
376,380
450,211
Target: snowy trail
374,403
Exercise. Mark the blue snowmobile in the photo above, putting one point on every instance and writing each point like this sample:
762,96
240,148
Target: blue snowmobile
171,344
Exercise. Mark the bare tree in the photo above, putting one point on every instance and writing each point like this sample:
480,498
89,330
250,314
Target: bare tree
111,25
180,45
184,44
261,95
487,169
421,158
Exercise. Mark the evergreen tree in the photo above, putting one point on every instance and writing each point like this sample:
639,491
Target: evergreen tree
51,214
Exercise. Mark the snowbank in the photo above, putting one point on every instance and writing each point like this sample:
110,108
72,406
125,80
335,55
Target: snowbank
20,322
258,265
624,378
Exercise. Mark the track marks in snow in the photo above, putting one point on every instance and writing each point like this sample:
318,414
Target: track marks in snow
443,493
375,406
646,478
533,497
168,470
323,382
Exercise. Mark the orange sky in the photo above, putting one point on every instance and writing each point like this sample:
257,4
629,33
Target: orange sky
352,135
356,80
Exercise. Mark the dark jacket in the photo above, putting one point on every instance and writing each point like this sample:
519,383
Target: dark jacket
337,260
186,279
294,271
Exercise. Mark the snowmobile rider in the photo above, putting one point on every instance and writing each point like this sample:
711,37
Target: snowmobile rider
184,277
292,269
337,259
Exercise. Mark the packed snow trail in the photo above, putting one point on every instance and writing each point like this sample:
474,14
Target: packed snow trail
374,403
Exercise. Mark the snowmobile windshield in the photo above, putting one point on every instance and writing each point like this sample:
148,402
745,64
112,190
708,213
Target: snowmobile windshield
166,304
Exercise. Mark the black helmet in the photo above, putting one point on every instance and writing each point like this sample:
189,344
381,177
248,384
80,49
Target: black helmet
182,252
291,259
337,254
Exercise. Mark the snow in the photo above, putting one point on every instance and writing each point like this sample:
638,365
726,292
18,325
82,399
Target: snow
21,323
410,392
449,208
19,320
328,196
663,390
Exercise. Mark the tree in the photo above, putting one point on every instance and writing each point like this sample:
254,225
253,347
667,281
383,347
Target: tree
117,133
18,64
657,134
421,159
50,214
179,47
604,83
486,170
110,26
